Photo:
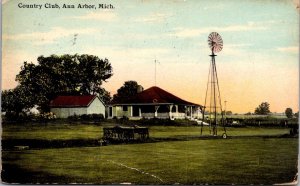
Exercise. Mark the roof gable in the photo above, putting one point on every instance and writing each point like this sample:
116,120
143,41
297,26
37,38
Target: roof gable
72,101
156,95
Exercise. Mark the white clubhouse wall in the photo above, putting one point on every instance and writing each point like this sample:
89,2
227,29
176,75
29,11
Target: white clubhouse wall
96,107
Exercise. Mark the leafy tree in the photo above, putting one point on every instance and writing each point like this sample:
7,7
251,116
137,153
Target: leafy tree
65,75
289,112
105,96
297,114
263,109
227,113
16,100
93,71
128,89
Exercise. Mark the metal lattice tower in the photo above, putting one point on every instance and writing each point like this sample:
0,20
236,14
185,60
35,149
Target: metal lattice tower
213,103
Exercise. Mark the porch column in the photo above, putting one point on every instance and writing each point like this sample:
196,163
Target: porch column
191,112
170,110
140,112
199,113
155,113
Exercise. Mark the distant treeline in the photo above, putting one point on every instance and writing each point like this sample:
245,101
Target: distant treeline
262,121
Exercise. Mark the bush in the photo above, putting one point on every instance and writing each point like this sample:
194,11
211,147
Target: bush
97,117
165,122
9,117
47,116
26,117
87,117
74,118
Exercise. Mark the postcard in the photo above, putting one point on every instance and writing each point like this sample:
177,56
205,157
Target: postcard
149,92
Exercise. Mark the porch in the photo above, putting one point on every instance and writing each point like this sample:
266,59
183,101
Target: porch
155,111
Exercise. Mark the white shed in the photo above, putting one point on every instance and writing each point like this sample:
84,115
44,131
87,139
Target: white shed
65,106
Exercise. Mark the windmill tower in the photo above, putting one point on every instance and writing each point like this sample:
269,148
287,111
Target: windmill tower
213,104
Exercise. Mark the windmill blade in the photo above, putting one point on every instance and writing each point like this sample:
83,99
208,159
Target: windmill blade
215,42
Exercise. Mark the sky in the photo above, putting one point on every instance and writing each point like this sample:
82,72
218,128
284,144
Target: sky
259,61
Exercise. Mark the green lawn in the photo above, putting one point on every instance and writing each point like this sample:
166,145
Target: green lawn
171,131
52,131
90,131
215,161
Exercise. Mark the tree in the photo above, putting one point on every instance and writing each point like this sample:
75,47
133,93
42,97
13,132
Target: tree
227,113
289,112
65,75
93,71
16,100
128,89
263,109
105,96
297,114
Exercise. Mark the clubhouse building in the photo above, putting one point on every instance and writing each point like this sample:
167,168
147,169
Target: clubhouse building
154,102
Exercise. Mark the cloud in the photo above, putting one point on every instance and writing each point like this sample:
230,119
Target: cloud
293,49
237,50
12,60
127,55
153,18
184,32
40,38
98,16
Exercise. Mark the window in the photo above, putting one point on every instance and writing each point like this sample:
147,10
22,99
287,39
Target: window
125,108
110,111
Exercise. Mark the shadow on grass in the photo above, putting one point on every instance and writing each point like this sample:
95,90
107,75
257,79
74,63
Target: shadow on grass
13,174
41,144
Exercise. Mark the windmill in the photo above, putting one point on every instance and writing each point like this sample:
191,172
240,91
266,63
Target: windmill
213,102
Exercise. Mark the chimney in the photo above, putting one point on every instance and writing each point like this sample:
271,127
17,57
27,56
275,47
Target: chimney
139,89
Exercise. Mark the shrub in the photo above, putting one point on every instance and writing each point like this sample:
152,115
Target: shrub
74,118
46,116
9,117
26,117
85,117
165,122
97,117
124,120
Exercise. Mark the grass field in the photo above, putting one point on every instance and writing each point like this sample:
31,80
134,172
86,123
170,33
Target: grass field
254,160
52,131
89,131
219,161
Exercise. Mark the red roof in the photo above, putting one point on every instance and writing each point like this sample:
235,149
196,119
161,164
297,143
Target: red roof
72,101
156,95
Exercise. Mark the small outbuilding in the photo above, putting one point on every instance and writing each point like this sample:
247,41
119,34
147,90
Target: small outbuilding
65,106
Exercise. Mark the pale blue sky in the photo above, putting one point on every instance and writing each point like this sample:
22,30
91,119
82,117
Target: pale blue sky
259,60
